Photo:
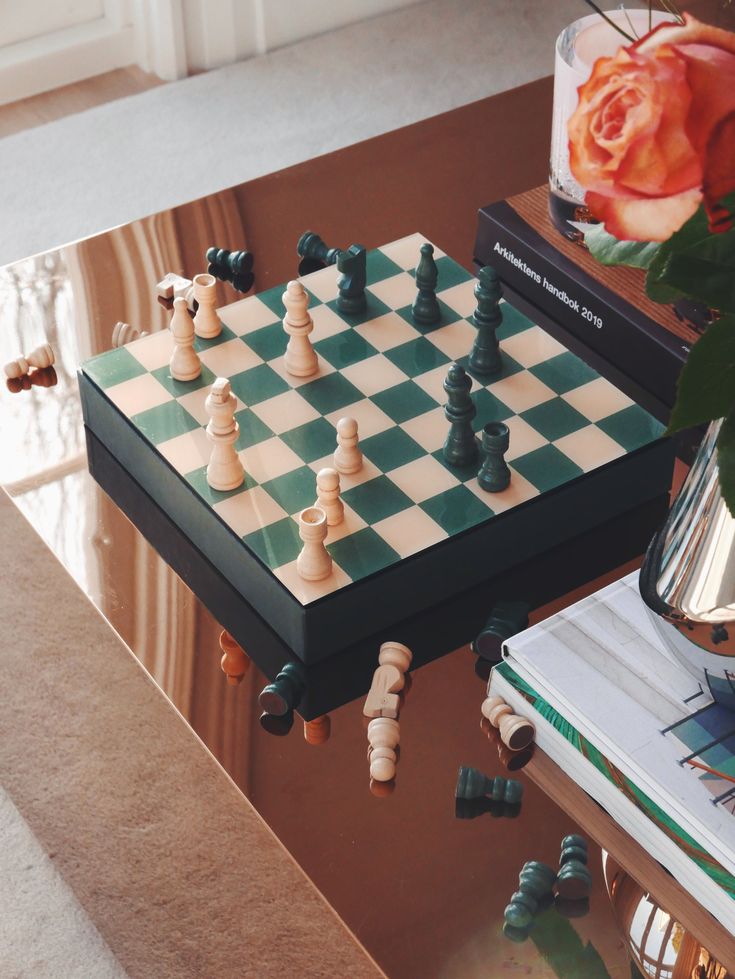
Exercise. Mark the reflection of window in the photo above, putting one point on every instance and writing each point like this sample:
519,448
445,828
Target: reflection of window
652,937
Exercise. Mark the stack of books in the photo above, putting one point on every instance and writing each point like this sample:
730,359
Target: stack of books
616,711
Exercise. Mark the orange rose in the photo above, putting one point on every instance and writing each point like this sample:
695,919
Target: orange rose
653,134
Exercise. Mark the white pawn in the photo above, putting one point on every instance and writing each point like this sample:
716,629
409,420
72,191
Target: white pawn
314,562
347,455
184,363
327,496
383,733
207,323
225,471
40,357
123,333
301,359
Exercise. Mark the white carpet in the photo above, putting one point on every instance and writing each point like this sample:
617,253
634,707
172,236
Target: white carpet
44,931
124,160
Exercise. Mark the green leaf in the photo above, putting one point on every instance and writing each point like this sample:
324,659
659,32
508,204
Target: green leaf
706,388
697,264
608,250
661,293
726,460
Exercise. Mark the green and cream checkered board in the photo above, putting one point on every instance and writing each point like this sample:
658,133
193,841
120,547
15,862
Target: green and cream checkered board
386,372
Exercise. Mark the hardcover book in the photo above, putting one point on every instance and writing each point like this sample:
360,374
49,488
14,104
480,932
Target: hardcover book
601,312
640,735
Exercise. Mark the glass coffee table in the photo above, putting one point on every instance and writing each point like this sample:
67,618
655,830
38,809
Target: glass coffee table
422,889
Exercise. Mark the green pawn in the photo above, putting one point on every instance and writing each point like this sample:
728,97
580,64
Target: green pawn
494,475
425,309
485,357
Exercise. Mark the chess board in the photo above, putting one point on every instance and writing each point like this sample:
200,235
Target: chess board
416,530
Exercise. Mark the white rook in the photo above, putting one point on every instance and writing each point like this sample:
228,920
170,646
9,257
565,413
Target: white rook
314,562
207,323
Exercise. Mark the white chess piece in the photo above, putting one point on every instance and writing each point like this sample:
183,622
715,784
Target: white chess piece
383,733
225,471
347,455
40,357
314,562
327,496
123,333
382,699
184,363
172,285
301,359
207,323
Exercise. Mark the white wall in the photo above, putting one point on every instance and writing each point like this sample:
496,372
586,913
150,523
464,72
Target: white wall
48,43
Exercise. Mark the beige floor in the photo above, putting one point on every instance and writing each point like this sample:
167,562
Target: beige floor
69,99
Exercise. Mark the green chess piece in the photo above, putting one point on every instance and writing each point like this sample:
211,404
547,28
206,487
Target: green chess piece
518,935
521,910
506,619
284,694
460,447
352,265
485,358
494,475
311,247
425,309
537,879
574,881
473,784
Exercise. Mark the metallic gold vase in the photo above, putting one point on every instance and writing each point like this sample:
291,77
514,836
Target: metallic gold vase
688,577
656,942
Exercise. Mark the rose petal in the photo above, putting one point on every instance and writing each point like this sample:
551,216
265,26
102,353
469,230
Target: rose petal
649,219
692,31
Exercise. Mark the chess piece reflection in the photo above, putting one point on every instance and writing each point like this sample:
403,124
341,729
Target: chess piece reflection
514,761
44,377
277,724
234,662
318,730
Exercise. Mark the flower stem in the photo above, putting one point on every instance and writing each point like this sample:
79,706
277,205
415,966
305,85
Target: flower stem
617,27
621,6
670,7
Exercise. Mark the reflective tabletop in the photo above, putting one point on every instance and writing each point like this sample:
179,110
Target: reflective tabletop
421,885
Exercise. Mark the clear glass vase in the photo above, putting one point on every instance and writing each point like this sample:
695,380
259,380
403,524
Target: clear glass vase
577,48
688,577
